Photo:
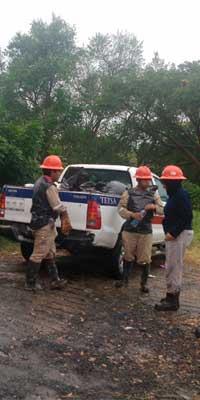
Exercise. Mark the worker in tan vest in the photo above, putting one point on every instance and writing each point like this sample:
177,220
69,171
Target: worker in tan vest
137,206
46,207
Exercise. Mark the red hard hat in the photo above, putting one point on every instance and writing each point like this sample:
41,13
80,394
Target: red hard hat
172,172
52,162
143,172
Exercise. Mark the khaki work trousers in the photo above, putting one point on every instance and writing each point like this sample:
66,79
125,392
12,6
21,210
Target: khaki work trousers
44,244
137,245
175,251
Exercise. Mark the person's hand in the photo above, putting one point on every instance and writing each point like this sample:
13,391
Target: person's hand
137,216
65,224
169,237
150,207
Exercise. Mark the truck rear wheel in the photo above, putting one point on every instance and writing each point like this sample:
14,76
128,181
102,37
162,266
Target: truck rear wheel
26,250
117,261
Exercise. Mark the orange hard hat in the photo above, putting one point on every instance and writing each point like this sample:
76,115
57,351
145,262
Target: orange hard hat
52,162
172,172
143,172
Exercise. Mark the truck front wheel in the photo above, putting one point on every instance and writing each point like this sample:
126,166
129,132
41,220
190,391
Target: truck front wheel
26,250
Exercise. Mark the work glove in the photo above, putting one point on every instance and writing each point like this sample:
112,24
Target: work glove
65,223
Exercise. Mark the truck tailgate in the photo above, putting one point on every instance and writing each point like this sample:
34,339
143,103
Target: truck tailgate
18,202
18,205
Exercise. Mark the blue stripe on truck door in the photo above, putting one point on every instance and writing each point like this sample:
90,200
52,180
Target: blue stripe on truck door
69,197
74,197
18,192
111,201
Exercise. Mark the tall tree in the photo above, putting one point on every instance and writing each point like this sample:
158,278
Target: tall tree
107,62
35,94
163,118
40,66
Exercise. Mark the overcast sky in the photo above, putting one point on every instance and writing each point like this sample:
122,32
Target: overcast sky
171,27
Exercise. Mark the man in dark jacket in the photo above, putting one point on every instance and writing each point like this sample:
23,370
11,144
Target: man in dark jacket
46,206
177,226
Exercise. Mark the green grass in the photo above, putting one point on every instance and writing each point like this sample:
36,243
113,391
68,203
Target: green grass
193,253
196,227
8,245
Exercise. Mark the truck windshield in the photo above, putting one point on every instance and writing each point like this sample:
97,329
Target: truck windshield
101,180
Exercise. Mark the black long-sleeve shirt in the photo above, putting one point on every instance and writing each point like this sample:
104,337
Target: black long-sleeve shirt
178,213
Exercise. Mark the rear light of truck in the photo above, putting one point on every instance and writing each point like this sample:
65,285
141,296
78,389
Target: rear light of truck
157,219
93,215
2,204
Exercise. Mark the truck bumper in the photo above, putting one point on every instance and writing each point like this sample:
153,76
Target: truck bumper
5,230
74,242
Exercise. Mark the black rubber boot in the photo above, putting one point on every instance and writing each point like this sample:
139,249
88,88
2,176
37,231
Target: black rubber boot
170,304
166,298
32,272
126,273
197,332
127,270
56,283
144,278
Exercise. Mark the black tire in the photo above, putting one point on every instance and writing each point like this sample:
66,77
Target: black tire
26,250
117,261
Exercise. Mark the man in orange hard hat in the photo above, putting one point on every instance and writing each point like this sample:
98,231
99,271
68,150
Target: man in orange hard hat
46,206
137,206
177,225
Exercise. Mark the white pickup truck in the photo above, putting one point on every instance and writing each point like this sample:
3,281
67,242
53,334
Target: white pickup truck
91,194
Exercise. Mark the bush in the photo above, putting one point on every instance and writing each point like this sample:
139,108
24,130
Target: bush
196,227
194,191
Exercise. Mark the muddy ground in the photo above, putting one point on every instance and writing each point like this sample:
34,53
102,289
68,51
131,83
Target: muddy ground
93,341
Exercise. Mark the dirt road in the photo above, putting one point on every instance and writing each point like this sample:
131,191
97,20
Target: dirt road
93,341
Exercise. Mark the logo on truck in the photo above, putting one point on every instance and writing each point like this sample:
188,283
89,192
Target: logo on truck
109,201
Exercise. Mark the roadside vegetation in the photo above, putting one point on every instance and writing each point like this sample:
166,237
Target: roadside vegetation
193,253
98,103
7,245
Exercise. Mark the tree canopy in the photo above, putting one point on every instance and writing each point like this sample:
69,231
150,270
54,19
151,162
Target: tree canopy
98,103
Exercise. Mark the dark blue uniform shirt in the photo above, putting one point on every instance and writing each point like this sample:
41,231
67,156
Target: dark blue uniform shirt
178,213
